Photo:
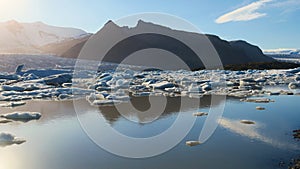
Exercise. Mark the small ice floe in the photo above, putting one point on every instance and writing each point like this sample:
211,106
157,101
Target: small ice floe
200,114
294,85
260,108
13,104
67,85
124,98
141,94
247,122
58,80
192,143
162,85
105,102
12,88
41,73
257,100
7,139
22,116
55,80
274,93
206,87
9,76
238,94
65,97
283,92
193,88
95,96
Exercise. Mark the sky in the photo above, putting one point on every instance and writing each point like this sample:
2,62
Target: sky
270,24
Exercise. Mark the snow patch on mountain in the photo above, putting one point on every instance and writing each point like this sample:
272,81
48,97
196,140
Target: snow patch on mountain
30,36
282,52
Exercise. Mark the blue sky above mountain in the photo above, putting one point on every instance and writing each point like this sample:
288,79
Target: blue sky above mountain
267,23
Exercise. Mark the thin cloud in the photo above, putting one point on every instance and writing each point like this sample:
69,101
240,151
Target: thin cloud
245,13
287,6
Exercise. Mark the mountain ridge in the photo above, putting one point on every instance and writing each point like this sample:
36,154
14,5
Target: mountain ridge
59,41
17,37
230,52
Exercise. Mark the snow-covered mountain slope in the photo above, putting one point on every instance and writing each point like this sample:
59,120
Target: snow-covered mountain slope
18,37
283,52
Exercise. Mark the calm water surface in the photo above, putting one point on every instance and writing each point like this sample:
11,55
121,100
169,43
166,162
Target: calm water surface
57,141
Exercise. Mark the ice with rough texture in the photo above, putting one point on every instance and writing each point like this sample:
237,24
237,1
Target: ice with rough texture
257,100
26,116
59,83
12,104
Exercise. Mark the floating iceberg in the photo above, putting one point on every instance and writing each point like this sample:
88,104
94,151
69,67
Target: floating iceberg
105,102
22,116
200,114
260,108
12,104
247,122
257,100
192,143
7,139
12,88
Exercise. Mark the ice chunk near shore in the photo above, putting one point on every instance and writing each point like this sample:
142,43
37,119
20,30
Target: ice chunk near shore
105,102
162,85
13,104
95,96
41,73
7,139
9,76
294,85
12,88
22,116
257,100
193,88
58,80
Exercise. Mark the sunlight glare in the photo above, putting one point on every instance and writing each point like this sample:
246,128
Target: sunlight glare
10,9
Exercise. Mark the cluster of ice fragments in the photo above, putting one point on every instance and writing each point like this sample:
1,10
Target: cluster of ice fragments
109,87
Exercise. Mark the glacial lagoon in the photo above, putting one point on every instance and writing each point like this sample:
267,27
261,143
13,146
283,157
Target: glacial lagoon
57,140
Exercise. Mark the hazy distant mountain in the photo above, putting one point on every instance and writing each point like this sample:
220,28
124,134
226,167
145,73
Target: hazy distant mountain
234,52
35,37
289,53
